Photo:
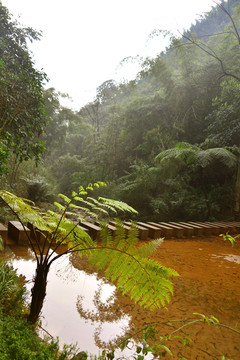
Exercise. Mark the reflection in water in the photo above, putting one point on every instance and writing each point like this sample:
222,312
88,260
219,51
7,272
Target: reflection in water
72,295
233,258
107,312
229,257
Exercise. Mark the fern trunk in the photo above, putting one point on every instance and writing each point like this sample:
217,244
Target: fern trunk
38,292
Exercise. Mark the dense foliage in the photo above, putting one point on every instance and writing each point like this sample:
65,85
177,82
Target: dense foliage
187,94
167,142
22,113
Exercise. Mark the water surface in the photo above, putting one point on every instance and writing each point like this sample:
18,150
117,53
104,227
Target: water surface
81,307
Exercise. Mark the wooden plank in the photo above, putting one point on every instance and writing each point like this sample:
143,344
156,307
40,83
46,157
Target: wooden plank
178,231
237,225
142,231
166,231
154,232
213,226
112,228
17,233
40,233
94,230
197,230
83,228
188,230
221,228
125,227
207,230
226,227
234,226
3,233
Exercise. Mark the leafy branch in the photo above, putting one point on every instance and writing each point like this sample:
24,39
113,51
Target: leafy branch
149,334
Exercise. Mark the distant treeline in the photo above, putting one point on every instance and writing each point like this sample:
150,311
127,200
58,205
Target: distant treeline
167,142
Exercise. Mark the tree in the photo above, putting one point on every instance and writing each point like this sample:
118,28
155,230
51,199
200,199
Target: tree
228,68
205,169
22,113
146,281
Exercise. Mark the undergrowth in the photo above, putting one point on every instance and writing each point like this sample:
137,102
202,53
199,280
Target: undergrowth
18,339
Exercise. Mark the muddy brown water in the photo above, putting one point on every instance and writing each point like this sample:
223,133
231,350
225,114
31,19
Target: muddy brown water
81,307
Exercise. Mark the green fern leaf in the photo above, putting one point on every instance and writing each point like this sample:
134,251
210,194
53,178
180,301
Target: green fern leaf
118,205
65,198
143,279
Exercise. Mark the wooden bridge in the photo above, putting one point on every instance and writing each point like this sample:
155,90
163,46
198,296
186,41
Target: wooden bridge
146,230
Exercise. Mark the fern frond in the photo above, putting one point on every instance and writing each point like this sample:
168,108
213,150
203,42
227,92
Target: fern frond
147,249
59,206
191,154
118,205
182,151
25,212
101,206
143,279
78,217
206,157
73,235
65,198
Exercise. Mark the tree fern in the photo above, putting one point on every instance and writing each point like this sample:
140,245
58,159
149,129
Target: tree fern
182,151
191,154
206,157
120,257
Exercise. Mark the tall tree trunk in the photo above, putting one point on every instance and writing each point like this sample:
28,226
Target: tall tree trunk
237,194
38,292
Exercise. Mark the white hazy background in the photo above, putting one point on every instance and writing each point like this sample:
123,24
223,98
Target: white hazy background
84,41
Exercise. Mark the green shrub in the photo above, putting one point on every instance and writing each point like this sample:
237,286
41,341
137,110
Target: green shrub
19,341
12,290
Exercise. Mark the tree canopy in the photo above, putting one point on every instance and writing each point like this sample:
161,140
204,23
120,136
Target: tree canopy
22,113
186,94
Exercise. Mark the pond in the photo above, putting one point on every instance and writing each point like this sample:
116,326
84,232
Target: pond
82,308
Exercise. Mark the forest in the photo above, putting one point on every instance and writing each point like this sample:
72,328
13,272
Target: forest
171,134
167,144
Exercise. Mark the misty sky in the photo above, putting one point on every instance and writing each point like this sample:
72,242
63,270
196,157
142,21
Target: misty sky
84,41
